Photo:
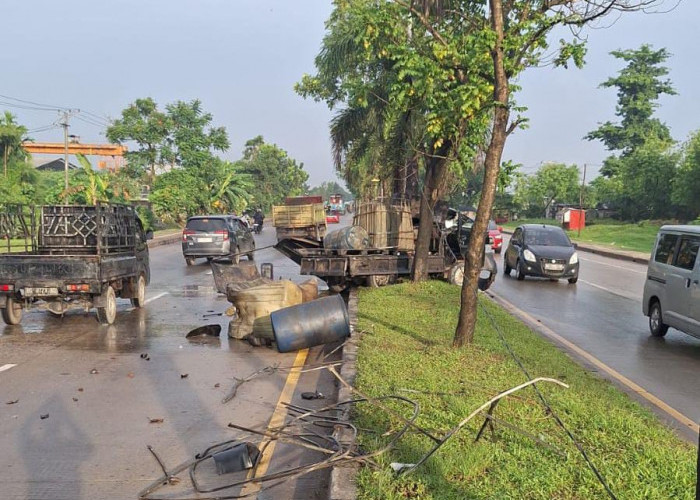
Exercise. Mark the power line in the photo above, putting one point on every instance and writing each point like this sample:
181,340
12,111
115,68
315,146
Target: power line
56,108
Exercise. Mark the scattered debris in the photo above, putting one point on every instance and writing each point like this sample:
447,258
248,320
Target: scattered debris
130,374
241,456
184,375
145,356
94,371
14,401
75,399
398,467
312,395
170,479
208,330
212,314
80,389
217,385
155,420
44,416
240,381
231,311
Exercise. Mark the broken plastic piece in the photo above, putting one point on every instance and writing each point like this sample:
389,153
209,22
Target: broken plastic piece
398,466
237,458
210,330
312,395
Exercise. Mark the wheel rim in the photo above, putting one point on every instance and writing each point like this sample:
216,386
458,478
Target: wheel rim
141,290
459,276
655,318
111,307
381,280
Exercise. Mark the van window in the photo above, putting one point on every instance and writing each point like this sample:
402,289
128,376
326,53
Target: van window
687,252
666,248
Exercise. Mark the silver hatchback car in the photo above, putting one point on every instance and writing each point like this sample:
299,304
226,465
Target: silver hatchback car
672,289
214,236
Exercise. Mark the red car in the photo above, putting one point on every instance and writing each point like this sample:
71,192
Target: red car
495,236
332,218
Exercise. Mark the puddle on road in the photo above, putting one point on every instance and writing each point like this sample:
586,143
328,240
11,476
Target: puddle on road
193,291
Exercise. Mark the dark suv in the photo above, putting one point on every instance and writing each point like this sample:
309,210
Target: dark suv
214,236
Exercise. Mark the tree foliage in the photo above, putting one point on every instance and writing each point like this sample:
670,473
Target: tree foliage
325,189
11,136
686,183
275,173
553,182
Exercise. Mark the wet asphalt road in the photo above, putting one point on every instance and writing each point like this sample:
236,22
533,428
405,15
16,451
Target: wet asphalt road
93,442
602,314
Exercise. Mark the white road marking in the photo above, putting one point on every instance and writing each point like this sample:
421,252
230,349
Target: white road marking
155,297
6,367
609,290
623,268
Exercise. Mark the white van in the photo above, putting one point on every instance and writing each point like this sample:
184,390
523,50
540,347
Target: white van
672,288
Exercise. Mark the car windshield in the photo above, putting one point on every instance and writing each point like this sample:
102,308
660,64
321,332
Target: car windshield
206,225
547,237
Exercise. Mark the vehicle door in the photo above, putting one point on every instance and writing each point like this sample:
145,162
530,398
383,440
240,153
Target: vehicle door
674,304
513,251
689,293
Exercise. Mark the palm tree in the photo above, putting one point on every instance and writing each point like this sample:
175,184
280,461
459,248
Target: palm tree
230,189
11,135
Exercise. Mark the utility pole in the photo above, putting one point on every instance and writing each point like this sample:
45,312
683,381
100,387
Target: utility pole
580,199
64,123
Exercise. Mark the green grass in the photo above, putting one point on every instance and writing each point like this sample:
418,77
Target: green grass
637,237
407,345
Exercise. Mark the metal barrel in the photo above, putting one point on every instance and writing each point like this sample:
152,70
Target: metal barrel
347,238
320,321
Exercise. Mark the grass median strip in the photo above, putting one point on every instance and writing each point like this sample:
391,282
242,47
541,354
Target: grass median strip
406,350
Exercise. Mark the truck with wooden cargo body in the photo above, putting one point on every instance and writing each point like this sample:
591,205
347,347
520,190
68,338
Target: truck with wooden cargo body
300,217
62,257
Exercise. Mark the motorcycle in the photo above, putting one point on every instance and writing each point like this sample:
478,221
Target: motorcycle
257,228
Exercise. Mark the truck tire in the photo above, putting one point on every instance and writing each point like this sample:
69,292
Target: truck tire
140,299
378,280
12,313
107,314
190,261
457,274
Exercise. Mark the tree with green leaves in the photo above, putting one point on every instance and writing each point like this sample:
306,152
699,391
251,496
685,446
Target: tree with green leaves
639,86
327,188
686,183
11,136
274,174
553,182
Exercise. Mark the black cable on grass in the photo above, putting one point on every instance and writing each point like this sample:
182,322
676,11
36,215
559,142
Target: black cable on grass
558,420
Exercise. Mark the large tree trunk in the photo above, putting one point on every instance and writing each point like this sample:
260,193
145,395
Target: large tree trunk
464,334
435,170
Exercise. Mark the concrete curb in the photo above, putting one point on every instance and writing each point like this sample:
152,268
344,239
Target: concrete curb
638,257
164,240
342,485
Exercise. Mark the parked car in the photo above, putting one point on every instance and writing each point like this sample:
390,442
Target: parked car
541,250
496,236
332,217
672,289
212,236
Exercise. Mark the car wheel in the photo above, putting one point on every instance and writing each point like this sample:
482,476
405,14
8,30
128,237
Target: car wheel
190,261
497,250
107,314
236,257
506,268
656,320
140,298
519,274
573,281
12,312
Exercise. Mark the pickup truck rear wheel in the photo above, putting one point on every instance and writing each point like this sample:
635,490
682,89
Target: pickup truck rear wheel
140,298
107,314
12,313
190,261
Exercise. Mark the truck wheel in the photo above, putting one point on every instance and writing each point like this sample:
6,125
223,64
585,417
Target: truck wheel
107,314
336,285
378,280
250,254
457,274
12,313
140,298
190,261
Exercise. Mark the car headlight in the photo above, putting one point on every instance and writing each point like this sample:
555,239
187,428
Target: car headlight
574,258
529,256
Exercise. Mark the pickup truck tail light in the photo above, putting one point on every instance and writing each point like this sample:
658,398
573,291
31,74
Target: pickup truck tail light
78,288
7,288
185,233
223,232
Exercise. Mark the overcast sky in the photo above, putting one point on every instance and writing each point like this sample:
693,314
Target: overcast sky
241,58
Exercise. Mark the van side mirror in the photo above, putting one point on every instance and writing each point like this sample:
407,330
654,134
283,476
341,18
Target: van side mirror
149,234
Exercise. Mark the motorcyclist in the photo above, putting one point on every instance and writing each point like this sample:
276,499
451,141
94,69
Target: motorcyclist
258,218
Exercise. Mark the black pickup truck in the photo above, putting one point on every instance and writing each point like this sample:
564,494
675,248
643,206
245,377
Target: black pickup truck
62,257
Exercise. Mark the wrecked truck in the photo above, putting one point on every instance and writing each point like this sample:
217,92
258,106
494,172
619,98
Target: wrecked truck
61,257
341,268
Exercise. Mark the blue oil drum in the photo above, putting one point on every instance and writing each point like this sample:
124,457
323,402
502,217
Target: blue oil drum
318,322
